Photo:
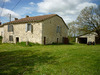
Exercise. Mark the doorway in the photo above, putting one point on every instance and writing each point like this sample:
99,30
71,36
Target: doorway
83,40
17,39
44,40
65,40
57,40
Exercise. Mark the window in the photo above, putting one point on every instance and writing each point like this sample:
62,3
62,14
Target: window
10,38
58,29
28,27
10,28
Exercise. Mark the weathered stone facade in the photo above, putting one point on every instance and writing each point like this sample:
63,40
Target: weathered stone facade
44,29
50,30
20,32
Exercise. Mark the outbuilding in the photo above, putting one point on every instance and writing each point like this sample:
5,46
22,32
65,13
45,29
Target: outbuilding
86,38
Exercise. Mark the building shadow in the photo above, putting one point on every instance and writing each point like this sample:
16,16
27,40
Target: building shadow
17,62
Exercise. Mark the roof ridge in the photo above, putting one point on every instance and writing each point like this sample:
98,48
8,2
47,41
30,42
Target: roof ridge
34,18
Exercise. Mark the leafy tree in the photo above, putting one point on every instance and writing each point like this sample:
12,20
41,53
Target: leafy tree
72,32
89,20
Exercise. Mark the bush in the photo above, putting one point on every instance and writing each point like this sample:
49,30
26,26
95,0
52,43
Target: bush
0,39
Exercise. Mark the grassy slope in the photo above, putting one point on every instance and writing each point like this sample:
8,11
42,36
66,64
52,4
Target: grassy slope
49,60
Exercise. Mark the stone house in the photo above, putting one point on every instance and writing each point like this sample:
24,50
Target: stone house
45,29
92,37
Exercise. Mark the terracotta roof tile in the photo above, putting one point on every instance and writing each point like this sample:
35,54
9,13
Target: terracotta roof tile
30,19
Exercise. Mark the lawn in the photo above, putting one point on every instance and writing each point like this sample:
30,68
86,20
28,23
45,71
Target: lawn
73,59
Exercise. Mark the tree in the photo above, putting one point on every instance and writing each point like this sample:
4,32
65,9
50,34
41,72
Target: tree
72,32
89,20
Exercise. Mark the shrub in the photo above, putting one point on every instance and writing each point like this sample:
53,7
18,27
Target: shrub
0,39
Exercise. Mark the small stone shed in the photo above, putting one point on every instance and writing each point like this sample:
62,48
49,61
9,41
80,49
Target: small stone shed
92,37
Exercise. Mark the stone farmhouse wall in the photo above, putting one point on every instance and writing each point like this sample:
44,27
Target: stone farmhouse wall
20,31
46,28
50,30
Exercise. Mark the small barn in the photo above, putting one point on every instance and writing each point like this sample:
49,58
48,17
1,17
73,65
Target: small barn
92,37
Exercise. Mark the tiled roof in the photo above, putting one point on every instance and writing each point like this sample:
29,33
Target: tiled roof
31,19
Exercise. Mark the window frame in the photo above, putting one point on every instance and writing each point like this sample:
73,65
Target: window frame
58,29
10,28
29,27
10,37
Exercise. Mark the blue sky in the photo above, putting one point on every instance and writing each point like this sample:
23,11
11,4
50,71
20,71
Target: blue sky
67,9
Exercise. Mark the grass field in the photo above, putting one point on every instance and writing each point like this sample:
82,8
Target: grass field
75,59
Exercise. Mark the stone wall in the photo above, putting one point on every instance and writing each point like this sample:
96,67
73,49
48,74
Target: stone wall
50,30
46,28
20,31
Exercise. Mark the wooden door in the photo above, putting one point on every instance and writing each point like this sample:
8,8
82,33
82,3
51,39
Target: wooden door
65,40
44,40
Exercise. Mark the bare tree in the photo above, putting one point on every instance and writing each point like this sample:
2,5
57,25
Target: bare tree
89,20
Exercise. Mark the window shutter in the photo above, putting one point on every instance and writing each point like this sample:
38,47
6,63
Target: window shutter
12,28
32,28
26,27
59,29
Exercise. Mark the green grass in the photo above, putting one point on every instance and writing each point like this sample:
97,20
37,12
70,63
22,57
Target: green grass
70,59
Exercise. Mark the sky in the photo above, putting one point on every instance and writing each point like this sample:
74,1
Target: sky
67,9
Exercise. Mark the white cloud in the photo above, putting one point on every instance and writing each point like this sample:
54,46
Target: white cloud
6,0
26,11
6,13
31,3
68,9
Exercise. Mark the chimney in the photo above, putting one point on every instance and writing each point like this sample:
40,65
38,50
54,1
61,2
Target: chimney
27,16
16,18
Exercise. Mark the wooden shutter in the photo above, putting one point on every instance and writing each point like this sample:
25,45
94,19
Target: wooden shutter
32,28
26,27
12,28
59,29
